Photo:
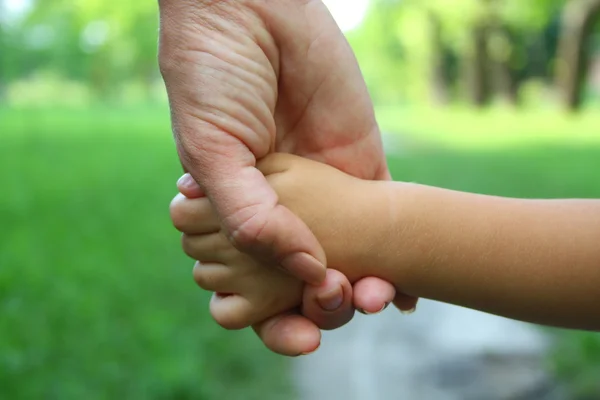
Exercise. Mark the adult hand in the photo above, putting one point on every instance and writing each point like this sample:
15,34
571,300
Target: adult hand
246,78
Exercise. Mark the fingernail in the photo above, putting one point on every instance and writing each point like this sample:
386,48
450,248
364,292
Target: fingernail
408,312
331,300
183,179
311,352
305,267
360,310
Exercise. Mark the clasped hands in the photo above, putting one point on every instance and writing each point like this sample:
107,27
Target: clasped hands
246,79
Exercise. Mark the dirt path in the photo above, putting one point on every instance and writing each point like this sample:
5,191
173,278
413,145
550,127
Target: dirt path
439,353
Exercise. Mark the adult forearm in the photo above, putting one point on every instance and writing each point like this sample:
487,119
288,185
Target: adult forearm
533,260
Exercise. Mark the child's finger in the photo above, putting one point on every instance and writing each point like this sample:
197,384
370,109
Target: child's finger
214,247
215,277
289,334
372,295
406,304
232,312
194,216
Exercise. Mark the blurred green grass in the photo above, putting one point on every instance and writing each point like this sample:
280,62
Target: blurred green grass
97,300
96,297
496,128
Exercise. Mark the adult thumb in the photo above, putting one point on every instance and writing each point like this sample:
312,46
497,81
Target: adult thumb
252,218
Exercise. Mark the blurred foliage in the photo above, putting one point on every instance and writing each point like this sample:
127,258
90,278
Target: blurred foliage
399,48
107,47
89,41
576,360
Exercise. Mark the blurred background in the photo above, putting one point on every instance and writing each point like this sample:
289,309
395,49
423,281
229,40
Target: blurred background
96,298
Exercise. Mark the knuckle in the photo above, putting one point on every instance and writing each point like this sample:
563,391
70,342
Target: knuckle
248,235
242,238
169,61
165,65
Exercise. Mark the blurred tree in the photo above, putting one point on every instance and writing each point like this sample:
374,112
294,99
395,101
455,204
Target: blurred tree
411,50
3,54
578,21
502,48
8,53
499,31
477,62
383,55
441,75
102,43
497,44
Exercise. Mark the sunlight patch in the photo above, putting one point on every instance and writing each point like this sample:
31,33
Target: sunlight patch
348,14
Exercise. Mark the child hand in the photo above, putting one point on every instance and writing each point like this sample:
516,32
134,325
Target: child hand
245,291
256,291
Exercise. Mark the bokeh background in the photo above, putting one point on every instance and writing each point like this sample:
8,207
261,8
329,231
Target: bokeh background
96,298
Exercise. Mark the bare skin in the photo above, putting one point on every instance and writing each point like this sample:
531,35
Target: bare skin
531,260
246,78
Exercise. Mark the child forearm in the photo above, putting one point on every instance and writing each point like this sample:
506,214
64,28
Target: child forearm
533,260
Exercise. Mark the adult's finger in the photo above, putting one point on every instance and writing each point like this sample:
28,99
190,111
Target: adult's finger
256,224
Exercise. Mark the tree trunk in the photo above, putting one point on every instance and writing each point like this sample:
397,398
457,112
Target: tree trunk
501,51
477,67
573,50
440,79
